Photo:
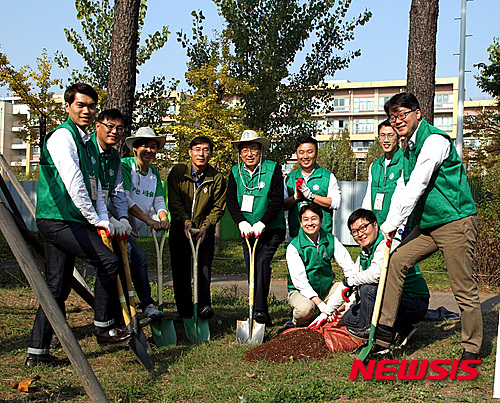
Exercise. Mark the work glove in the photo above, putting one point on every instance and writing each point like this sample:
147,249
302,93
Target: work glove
320,320
388,229
245,228
258,227
120,228
306,192
128,227
298,194
106,225
326,309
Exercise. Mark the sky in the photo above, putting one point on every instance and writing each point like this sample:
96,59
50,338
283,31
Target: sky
28,26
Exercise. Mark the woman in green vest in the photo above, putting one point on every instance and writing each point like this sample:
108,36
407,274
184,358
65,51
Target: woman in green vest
255,200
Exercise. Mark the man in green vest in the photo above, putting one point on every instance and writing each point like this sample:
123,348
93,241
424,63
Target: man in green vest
69,210
255,200
365,276
310,184
309,259
434,187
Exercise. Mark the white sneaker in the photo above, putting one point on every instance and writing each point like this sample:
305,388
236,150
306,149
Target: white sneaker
152,312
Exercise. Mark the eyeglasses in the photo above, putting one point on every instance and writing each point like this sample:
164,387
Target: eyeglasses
248,150
361,229
387,136
119,129
400,115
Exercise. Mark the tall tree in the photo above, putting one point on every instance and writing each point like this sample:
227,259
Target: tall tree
421,67
374,152
267,35
337,156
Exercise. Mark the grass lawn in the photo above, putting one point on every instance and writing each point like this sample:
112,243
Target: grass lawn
215,371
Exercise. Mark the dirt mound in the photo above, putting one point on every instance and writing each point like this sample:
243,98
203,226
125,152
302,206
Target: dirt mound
301,344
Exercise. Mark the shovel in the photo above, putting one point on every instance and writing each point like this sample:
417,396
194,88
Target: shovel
197,330
162,329
249,331
135,345
378,301
130,288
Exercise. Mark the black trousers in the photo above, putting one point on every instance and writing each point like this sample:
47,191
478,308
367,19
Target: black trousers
64,241
182,260
268,244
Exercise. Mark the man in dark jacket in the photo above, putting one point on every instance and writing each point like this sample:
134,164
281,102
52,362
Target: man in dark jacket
196,200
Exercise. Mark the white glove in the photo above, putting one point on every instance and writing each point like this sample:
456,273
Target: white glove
306,192
326,309
106,225
245,228
119,227
316,324
388,229
128,227
258,227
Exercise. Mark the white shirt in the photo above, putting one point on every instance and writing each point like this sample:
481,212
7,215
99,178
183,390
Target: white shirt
333,190
435,150
297,268
64,154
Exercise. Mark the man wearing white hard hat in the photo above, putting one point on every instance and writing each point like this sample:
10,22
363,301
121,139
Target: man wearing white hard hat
144,190
255,201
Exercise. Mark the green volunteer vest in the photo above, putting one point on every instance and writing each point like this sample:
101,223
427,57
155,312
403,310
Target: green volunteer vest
108,166
257,185
448,196
414,286
53,200
317,260
318,182
384,181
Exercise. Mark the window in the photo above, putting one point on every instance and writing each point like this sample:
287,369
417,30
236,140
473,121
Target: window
320,126
36,151
382,101
445,123
363,104
361,146
171,109
362,126
335,126
341,105
443,101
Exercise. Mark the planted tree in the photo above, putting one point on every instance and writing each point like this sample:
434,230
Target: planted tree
337,156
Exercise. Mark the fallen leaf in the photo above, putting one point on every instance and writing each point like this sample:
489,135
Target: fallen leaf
23,386
250,375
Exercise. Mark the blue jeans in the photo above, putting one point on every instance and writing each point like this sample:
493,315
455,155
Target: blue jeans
65,240
139,271
411,310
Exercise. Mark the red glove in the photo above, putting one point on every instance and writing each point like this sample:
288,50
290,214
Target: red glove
298,184
346,293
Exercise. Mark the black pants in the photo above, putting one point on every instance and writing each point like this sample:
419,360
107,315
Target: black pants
268,244
64,241
182,260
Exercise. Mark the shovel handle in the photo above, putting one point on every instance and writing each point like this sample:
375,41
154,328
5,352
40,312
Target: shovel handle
251,274
128,278
194,250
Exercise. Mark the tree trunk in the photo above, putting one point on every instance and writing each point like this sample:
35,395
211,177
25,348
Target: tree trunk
218,238
122,71
421,71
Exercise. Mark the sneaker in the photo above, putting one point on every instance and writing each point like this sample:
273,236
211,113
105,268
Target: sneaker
401,338
152,312
33,360
289,324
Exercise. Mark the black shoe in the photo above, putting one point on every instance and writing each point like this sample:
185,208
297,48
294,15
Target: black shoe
263,317
146,321
34,360
206,313
384,336
467,356
359,333
289,324
113,337
401,337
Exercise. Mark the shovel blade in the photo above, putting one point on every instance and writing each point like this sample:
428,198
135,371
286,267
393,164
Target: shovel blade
249,333
163,332
197,329
140,353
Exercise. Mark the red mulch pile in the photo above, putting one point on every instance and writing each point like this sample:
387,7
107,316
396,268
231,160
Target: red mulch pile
301,344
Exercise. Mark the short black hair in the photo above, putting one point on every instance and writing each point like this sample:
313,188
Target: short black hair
110,114
406,99
313,207
305,140
142,142
385,123
202,140
69,94
368,215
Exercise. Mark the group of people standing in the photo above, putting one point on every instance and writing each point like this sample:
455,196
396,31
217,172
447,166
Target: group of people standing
84,186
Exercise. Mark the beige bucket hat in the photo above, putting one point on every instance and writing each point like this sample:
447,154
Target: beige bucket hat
253,137
146,133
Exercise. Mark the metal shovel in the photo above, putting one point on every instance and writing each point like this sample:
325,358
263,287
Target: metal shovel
162,329
135,345
249,331
197,329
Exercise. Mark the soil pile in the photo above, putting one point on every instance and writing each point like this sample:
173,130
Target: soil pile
301,344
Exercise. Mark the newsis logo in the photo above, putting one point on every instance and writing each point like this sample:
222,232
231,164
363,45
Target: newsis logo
414,369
